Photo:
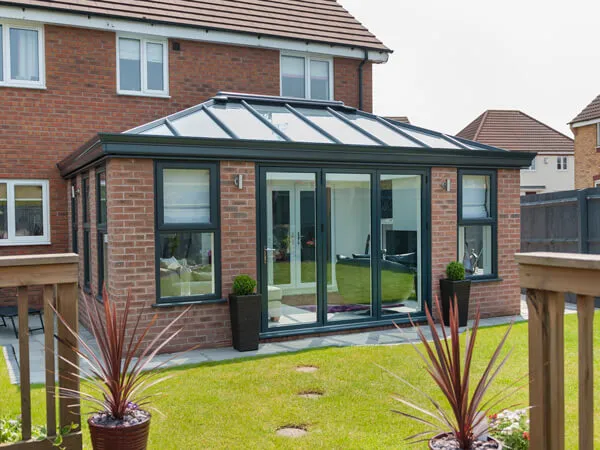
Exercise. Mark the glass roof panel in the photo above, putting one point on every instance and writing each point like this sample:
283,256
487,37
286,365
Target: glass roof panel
379,130
431,140
336,127
290,124
161,130
199,124
243,123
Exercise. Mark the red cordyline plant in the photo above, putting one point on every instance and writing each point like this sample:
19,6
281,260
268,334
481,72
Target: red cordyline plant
118,370
466,416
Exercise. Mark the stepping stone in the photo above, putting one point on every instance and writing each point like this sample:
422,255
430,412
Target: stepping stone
310,394
307,369
291,432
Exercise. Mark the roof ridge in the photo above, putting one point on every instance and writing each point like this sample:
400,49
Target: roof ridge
483,119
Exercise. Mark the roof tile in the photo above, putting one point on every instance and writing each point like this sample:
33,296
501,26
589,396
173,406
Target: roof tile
516,131
311,20
590,112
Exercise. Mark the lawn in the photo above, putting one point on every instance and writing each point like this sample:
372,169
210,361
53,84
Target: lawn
240,404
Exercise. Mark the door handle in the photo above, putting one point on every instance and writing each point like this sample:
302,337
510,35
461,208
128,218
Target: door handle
266,253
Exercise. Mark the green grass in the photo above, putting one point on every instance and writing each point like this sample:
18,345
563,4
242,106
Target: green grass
239,404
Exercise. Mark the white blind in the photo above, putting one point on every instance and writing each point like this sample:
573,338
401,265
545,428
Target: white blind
475,197
186,195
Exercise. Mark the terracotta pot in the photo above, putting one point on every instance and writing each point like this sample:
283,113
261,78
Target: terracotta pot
441,435
120,438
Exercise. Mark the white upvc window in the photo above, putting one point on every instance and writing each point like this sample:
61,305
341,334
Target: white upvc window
142,66
306,76
598,135
561,163
596,183
24,212
22,55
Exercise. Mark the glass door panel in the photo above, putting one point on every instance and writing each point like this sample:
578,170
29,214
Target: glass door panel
401,239
290,253
349,259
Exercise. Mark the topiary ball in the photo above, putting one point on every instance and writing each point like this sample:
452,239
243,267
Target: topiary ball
455,271
243,285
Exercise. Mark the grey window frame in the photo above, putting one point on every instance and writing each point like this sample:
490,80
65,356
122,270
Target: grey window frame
101,231
212,227
489,221
85,205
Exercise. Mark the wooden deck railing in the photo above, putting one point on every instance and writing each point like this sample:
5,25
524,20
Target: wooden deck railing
58,276
547,277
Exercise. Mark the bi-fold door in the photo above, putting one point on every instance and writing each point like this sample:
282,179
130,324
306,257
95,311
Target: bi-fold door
339,245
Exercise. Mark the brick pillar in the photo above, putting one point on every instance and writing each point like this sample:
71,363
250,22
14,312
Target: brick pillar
444,225
238,223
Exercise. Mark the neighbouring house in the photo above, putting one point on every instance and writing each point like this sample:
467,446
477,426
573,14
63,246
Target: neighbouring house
586,128
169,184
552,169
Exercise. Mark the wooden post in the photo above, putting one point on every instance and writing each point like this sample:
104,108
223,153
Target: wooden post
546,369
24,377
50,360
67,307
585,316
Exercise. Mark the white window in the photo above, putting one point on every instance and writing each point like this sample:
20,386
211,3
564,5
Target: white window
561,163
24,212
142,66
306,76
597,183
531,168
598,135
22,55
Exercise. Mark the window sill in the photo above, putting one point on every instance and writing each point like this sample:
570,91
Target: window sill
191,302
142,94
492,279
15,243
41,87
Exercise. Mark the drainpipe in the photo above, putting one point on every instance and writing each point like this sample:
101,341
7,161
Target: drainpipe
360,80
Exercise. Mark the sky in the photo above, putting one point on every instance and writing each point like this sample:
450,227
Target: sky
453,59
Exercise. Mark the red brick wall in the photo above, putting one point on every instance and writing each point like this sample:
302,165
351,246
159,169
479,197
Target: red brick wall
131,249
346,82
496,298
238,223
40,127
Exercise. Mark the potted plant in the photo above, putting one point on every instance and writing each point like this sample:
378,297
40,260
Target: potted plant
244,308
461,422
455,286
117,372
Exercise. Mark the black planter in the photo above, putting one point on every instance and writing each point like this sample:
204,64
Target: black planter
245,321
461,290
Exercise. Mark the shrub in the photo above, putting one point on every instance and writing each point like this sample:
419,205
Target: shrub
455,271
243,285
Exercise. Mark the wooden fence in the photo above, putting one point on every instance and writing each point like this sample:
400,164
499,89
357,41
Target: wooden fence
58,276
547,277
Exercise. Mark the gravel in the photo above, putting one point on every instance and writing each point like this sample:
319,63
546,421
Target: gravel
447,442
132,418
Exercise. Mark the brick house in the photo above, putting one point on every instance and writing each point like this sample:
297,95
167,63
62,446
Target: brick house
168,189
586,128
552,169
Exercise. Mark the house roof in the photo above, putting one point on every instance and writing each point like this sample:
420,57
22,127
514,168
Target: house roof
255,127
590,112
516,131
403,119
324,21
